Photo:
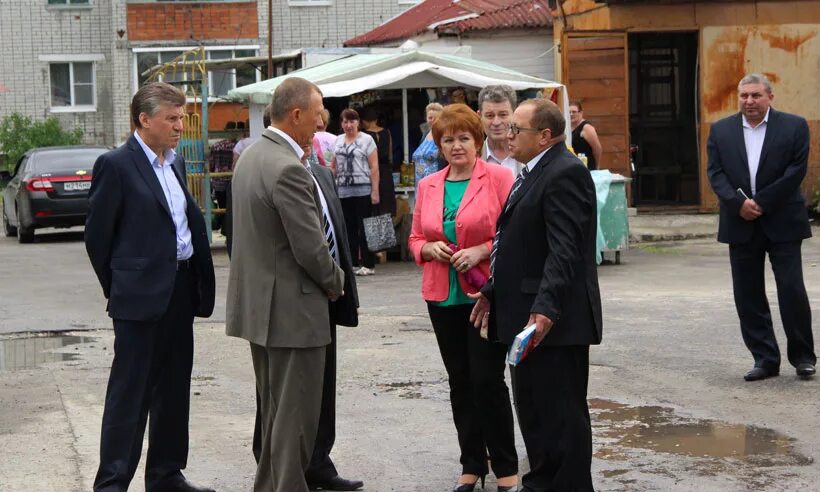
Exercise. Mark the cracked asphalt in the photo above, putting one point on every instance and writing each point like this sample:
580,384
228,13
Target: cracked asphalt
670,409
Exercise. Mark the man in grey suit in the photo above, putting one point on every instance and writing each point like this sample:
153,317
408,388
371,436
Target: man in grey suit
282,275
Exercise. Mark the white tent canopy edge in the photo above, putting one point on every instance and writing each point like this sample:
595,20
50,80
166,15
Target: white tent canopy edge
422,71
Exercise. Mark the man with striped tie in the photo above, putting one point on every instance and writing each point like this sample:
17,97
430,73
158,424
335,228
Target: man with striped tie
543,272
282,276
321,473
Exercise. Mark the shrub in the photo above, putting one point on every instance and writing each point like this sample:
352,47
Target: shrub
19,133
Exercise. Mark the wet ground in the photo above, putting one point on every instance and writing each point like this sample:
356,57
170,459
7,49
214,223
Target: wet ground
669,408
34,351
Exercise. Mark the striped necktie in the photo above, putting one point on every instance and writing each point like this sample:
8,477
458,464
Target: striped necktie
519,180
329,236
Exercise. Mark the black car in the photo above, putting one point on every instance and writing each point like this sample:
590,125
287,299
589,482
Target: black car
48,188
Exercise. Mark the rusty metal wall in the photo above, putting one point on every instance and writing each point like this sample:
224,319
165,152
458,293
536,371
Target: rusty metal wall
778,38
789,54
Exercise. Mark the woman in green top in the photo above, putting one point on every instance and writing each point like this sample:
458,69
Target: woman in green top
453,229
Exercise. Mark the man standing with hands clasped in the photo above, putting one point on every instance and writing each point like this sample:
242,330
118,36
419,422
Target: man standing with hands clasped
543,272
757,160
146,239
282,276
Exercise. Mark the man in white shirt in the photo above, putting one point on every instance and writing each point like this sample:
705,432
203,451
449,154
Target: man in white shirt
496,106
757,161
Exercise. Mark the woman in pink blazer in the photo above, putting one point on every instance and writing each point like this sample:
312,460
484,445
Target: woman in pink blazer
452,236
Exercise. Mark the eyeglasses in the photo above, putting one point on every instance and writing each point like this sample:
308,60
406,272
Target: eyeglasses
515,129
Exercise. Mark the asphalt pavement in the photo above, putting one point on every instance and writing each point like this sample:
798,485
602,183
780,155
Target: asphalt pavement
670,408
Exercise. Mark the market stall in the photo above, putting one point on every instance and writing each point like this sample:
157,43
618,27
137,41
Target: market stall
415,69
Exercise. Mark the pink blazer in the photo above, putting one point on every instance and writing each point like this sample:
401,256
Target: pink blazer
475,222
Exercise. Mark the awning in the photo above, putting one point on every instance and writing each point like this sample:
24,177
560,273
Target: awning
410,70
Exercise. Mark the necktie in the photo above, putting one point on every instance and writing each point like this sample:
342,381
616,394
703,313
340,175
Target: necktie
519,180
329,238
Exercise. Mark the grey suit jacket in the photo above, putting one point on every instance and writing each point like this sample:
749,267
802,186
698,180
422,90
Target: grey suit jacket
281,269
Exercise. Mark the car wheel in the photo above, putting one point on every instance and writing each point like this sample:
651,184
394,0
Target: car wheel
25,235
8,229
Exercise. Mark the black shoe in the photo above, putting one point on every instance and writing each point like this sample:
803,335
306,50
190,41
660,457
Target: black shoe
805,370
509,488
758,373
469,487
336,483
179,484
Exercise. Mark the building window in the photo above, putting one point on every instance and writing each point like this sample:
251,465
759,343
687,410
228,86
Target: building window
72,86
310,3
69,2
219,81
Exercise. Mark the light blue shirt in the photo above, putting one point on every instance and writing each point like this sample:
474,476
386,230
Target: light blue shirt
174,196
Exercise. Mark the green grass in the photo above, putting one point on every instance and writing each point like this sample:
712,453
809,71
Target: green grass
658,249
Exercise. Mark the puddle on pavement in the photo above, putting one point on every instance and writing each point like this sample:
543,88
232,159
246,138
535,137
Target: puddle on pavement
30,352
659,429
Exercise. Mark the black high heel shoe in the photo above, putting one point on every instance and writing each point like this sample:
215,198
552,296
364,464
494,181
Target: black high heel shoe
469,487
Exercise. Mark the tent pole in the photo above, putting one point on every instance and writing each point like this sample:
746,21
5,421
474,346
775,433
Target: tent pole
405,126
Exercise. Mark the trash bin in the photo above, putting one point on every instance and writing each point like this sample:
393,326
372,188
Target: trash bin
613,217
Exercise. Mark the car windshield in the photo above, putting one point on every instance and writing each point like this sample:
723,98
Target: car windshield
57,161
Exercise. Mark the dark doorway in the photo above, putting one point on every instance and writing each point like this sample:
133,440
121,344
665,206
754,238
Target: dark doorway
663,118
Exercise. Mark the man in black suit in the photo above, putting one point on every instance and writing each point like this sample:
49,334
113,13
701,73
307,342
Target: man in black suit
543,273
321,473
757,160
146,239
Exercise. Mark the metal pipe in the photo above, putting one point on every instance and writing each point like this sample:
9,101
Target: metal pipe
270,39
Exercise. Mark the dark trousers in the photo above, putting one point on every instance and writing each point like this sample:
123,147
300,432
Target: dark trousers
355,209
748,263
550,392
150,375
321,466
478,394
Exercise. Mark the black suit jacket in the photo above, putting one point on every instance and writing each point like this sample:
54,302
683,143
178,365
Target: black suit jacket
545,262
344,310
783,162
131,239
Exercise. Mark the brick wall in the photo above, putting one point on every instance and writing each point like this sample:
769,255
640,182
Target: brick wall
194,21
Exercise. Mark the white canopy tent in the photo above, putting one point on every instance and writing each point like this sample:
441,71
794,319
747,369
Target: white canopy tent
408,70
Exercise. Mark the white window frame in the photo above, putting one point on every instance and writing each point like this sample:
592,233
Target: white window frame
310,3
135,51
71,60
70,6
409,2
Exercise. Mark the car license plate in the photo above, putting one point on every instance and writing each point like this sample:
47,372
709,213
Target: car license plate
77,185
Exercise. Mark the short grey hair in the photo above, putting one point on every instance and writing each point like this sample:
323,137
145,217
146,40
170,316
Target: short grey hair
497,94
293,92
756,78
151,96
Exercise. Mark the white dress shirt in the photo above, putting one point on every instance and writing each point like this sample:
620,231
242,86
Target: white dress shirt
531,164
509,162
296,148
753,138
174,196
325,211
